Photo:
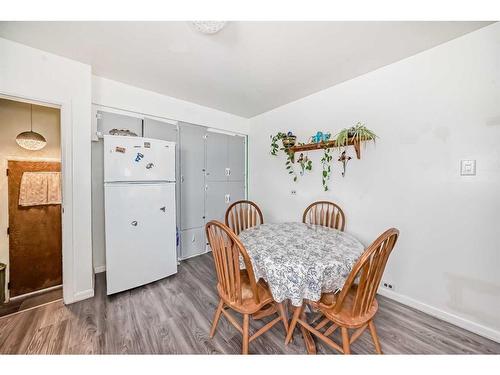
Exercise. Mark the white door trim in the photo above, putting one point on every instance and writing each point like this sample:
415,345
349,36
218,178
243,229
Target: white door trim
66,125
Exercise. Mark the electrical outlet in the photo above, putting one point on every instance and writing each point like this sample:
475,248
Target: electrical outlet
293,192
388,285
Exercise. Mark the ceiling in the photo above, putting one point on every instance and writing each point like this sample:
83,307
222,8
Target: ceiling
247,68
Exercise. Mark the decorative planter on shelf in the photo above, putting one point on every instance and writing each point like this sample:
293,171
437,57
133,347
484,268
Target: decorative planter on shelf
320,137
289,141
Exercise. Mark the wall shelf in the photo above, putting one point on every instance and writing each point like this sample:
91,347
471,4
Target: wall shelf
329,144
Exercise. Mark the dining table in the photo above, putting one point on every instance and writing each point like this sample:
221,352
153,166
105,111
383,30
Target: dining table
301,261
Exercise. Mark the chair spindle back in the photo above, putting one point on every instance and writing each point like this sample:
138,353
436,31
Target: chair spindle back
226,250
242,215
324,213
368,270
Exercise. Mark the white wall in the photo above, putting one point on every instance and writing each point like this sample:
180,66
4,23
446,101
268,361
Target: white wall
430,111
14,119
122,96
34,74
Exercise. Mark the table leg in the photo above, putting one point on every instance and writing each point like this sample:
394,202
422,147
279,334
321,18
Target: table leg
306,335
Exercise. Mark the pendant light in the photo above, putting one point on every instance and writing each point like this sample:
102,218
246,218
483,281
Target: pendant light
31,140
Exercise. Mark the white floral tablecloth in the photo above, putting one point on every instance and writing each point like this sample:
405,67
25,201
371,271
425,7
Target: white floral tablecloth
301,261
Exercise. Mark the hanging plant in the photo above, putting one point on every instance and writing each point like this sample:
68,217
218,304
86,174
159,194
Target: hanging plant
288,140
305,163
327,168
358,133
274,143
289,165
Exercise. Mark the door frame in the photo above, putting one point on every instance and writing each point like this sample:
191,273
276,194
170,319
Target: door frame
67,204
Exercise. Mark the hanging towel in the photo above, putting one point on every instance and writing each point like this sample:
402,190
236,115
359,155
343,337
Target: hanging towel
40,188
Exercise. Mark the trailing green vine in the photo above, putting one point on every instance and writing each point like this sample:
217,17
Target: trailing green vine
289,164
327,168
287,141
274,143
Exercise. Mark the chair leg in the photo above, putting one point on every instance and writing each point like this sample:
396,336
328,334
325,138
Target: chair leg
245,334
373,332
345,341
218,312
284,316
295,318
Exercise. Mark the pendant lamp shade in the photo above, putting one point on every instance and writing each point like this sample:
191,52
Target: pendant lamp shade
31,140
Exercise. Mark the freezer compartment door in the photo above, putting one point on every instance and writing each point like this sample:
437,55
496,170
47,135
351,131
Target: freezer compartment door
138,159
140,234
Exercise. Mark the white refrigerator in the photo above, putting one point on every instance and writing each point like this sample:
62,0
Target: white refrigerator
139,193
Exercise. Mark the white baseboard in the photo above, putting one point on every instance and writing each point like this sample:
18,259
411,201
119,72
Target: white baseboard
99,269
195,255
443,315
84,294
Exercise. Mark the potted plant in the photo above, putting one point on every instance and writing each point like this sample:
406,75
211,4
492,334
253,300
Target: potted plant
357,133
287,139
274,142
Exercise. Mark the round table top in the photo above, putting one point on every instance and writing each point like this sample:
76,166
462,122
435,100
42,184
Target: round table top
300,261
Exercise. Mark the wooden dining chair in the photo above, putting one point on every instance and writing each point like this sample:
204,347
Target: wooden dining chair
242,215
355,306
324,213
237,287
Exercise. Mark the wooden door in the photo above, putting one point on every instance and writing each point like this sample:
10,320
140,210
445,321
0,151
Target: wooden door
35,240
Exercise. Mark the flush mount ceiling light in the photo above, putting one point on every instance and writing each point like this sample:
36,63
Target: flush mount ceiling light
208,27
31,140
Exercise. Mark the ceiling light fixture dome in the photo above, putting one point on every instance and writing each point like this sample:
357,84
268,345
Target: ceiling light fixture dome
208,27
31,140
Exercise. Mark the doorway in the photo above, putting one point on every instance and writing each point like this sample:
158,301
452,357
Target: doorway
31,201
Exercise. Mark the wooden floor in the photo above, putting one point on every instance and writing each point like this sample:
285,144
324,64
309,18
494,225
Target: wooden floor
174,316
30,301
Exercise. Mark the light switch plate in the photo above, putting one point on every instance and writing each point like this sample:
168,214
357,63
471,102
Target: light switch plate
467,167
